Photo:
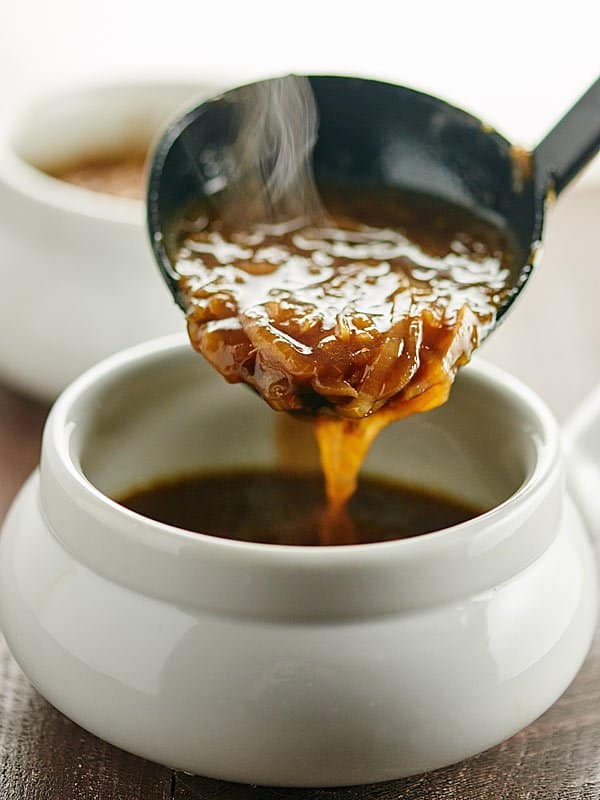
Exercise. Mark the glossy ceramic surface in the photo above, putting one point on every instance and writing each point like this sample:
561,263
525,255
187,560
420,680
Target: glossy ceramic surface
287,665
75,260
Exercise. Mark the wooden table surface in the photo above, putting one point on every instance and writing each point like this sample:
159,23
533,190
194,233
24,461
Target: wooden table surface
44,756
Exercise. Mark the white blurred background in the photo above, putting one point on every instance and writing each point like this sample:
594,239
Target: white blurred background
516,64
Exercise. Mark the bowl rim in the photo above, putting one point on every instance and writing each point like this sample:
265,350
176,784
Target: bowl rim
35,185
59,428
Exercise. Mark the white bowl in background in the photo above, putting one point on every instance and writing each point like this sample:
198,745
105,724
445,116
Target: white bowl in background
77,278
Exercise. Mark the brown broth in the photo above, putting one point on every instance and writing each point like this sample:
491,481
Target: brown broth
279,507
120,175
357,318
373,303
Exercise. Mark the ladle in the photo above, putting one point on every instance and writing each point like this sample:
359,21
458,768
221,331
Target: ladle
379,134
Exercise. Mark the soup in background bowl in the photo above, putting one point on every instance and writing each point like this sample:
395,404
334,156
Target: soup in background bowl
75,261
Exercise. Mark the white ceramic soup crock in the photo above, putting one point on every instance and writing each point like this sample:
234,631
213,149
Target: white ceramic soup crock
76,263
287,665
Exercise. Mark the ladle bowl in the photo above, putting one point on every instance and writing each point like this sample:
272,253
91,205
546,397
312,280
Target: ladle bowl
380,135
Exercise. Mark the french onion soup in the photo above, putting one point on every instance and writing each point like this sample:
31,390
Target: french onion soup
354,318
121,175
344,305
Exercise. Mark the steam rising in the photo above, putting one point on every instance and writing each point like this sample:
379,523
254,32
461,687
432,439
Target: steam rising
272,154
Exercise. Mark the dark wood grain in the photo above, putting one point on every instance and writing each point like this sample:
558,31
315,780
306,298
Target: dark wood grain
21,421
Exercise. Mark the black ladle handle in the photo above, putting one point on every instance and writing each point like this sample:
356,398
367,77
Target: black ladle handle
568,147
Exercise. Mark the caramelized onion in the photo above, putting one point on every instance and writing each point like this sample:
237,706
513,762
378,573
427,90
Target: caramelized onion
354,324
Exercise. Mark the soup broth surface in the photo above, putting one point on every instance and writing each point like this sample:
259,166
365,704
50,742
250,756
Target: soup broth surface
377,300
119,175
283,507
